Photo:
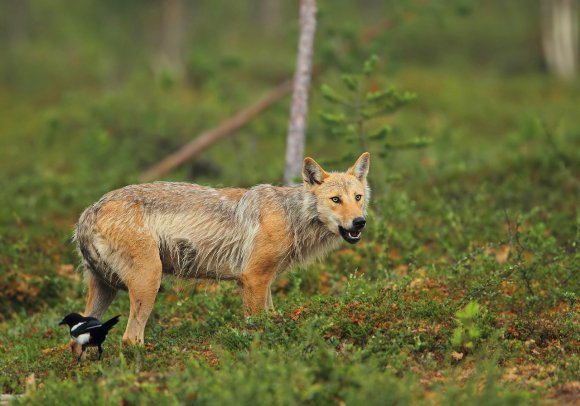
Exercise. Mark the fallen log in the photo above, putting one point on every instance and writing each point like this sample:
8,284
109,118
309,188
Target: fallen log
210,137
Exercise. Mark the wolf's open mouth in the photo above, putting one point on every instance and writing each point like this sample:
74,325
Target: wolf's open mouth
350,236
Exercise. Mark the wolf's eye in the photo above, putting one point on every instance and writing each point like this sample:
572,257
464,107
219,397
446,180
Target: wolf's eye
358,197
335,199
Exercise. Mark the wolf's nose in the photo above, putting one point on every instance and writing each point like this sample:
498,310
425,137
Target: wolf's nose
359,223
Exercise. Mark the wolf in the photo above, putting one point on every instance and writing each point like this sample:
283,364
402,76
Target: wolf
135,235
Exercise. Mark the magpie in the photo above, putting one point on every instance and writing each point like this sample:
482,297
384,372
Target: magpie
88,331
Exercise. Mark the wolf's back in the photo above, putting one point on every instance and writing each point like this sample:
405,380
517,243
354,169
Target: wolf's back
199,231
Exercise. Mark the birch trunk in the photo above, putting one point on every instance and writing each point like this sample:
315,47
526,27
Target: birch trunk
560,36
299,107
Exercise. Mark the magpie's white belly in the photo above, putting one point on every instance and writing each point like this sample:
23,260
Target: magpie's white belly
83,338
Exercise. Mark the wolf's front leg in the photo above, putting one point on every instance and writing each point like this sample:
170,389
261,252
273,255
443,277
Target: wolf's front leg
265,262
269,303
255,292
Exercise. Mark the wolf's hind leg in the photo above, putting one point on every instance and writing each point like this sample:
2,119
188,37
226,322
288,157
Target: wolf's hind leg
143,287
99,296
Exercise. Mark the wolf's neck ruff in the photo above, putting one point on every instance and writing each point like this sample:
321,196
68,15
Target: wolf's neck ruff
311,239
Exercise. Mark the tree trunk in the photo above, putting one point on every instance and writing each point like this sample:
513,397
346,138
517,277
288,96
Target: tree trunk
299,107
560,36
18,22
271,16
172,37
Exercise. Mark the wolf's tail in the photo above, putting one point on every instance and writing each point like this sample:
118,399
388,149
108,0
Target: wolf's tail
92,261
83,235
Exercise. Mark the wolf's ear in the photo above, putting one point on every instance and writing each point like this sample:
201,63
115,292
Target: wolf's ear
312,173
360,169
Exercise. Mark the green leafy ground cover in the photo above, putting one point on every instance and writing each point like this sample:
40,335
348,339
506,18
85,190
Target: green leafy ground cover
464,289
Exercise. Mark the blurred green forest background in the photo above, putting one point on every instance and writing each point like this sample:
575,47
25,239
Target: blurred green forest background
92,93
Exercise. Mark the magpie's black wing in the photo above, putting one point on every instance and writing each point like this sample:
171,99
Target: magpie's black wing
84,327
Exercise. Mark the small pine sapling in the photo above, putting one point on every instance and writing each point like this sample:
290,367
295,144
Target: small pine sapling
361,110
467,333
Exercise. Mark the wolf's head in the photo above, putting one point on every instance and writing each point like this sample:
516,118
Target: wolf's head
342,197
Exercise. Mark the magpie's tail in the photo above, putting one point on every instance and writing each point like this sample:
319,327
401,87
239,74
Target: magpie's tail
111,322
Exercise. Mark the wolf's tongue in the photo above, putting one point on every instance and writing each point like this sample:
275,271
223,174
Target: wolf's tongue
354,234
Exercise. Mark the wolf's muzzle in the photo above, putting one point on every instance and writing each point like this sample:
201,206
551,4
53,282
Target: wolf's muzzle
353,235
359,223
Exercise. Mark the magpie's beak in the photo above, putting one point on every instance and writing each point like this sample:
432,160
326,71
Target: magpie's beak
61,323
